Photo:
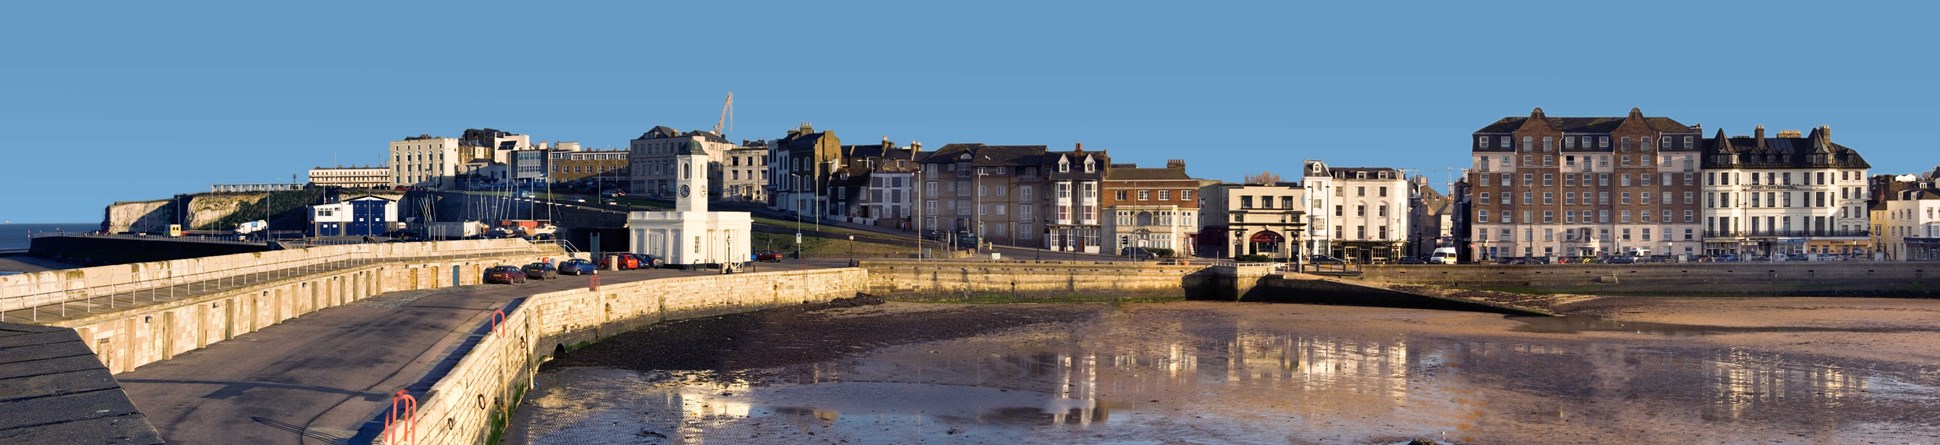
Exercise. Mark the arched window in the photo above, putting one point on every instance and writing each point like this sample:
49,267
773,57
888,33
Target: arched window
683,170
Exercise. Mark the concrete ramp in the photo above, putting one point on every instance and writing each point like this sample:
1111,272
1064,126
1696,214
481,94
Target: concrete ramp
1293,287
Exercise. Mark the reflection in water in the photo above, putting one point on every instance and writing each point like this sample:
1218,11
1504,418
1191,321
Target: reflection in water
1227,379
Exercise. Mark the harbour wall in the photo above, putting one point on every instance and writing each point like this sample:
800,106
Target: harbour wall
1869,279
1030,280
463,405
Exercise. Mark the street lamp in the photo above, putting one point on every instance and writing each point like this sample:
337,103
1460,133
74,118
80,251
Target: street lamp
794,183
1239,236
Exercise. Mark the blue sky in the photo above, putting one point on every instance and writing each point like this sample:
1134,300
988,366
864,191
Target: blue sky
141,101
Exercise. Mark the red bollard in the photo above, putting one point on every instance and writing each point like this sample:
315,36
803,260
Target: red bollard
402,421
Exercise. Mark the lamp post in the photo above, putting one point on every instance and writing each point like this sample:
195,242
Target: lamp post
1239,236
794,182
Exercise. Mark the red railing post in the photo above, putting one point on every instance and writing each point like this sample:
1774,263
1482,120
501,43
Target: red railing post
498,320
402,421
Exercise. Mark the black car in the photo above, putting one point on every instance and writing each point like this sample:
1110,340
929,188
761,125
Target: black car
1410,260
540,271
1323,259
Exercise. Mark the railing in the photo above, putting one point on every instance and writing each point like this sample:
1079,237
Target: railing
129,287
1785,233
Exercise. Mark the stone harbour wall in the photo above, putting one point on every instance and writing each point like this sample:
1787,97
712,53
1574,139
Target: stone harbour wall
1028,280
1853,278
461,407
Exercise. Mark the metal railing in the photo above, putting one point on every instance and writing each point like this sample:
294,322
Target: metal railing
126,290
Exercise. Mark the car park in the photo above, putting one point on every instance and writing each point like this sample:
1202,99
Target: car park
504,274
576,266
540,271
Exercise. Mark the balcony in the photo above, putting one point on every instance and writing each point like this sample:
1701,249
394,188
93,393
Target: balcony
1787,233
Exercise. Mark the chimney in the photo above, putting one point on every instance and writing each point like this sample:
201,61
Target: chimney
1790,134
1081,147
915,146
1826,131
1760,134
1175,164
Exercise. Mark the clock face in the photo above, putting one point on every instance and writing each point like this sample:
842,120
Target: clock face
683,191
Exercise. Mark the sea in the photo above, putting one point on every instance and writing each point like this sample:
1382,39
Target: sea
15,236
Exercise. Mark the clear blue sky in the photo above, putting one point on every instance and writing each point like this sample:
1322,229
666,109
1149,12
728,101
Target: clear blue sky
107,102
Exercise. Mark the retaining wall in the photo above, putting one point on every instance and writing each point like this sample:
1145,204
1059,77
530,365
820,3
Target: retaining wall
1882,279
1027,280
55,286
127,339
460,407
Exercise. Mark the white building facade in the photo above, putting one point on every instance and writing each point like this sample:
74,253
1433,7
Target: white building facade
1356,213
745,173
425,161
690,235
1250,219
351,177
1788,194
1912,226
652,157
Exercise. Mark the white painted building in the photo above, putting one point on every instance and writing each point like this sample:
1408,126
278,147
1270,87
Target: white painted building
1250,219
1357,213
425,161
690,235
1784,195
351,177
359,216
745,173
1912,226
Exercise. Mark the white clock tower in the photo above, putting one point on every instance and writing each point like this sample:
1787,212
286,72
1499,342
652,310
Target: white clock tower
690,236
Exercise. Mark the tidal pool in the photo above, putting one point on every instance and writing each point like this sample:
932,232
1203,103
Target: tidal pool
1202,372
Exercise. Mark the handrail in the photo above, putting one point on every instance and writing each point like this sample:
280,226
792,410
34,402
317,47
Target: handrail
167,284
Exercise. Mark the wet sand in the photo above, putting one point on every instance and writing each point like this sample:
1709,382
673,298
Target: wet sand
1650,370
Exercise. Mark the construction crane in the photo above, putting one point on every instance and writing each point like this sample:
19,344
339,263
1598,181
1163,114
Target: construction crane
727,113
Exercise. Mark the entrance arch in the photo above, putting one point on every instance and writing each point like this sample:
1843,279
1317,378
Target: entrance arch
1265,242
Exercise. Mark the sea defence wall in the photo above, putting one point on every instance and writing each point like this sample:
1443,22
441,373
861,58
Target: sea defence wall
56,286
947,280
480,390
173,307
1878,279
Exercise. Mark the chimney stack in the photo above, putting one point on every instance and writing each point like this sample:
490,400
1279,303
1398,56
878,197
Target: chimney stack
1826,130
1760,135
1081,147
1175,164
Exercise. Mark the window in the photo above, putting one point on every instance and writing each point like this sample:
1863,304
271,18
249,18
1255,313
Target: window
1569,142
1245,202
1625,218
1165,195
1484,196
1360,210
1569,198
1548,143
1569,217
1384,191
1483,179
1360,191
1383,209
1603,142
1548,180
1505,142
1144,195
1526,144
1549,217
1337,210
1549,198
1507,180
1119,195
1185,195
1482,141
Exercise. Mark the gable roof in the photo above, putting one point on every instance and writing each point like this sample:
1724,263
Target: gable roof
1146,174
1813,150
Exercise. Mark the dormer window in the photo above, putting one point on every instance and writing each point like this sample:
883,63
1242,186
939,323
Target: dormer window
1064,165
1089,166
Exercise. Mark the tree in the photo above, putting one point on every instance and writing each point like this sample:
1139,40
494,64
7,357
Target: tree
1265,177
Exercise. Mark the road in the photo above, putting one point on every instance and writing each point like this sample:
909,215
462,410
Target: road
325,377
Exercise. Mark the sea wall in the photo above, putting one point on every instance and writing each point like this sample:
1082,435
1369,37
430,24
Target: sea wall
127,339
1855,278
1027,280
461,407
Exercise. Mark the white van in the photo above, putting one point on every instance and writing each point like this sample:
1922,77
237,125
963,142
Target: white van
1443,255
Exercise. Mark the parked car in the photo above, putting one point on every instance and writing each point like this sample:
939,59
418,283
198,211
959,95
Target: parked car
1622,259
576,266
627,262
1410,260
540,271
769,256
650,261
504,274
1323,259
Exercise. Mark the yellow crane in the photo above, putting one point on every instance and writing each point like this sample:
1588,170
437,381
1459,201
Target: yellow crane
727,113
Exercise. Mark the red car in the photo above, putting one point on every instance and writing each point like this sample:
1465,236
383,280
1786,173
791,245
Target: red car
769,256
504,274
627,261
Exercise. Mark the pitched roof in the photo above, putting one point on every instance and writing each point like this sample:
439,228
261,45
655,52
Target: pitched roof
987,155
1146,174
1813,150
1587,124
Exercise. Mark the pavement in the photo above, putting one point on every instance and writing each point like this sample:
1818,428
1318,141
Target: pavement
325,377
53,390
